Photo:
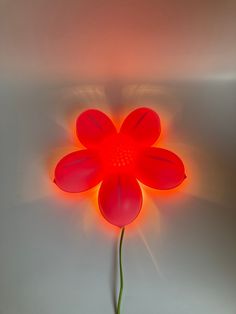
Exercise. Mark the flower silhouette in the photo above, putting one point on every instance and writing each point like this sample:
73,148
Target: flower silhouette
119,159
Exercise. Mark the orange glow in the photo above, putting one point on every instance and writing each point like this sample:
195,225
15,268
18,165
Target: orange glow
92,195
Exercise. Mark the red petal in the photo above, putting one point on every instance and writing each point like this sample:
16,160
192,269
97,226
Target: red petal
143,125
78,171
120,199
160,169
93,126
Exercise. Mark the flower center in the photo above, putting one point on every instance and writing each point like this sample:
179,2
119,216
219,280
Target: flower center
122,156
118,153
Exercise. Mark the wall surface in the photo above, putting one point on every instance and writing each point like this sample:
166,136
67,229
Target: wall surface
57,58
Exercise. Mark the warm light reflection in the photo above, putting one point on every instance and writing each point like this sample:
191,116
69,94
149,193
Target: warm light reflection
150,253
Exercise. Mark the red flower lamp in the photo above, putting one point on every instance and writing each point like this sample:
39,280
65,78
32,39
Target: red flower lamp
119,159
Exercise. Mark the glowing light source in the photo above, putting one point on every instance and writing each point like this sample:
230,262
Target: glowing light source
119,160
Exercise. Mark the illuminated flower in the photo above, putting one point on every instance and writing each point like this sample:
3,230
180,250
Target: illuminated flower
119,159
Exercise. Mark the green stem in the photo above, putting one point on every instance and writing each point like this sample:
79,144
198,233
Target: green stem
121,271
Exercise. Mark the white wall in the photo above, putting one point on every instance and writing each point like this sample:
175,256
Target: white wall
58,256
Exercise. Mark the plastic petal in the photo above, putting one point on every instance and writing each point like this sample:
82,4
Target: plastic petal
93,126
143,125
78,171
160,169
120,199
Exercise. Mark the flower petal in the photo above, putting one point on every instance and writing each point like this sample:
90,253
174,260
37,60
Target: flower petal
120,199
143,125
93,126
78,171
160,169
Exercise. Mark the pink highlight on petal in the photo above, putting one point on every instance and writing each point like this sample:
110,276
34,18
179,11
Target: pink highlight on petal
160,168
143,126
93,126
78,171
120,199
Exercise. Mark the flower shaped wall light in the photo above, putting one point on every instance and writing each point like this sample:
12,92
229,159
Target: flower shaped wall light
119,159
